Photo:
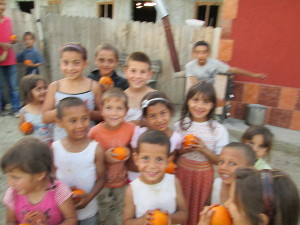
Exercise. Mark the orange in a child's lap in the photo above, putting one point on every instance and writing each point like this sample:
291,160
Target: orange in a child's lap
221,216
26,127
159,218
120,152
189,139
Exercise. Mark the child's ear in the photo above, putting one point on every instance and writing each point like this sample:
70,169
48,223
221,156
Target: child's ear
150,74
58,122
264,218
40,176
125,69
171,158
135,158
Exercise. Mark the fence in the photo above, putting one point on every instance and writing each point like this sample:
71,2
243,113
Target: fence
127,36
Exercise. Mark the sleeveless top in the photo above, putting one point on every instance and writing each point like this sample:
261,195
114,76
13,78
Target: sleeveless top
48,207
133,114
216,191
153,196
41,130
89,99
77,169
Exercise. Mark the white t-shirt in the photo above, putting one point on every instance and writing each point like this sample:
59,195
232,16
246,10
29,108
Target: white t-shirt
216,191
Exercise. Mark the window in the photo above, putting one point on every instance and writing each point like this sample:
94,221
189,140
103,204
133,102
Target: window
54,7
105,9
143,11
26,6
208,12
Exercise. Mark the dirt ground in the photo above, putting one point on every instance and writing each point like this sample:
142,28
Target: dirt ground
288,161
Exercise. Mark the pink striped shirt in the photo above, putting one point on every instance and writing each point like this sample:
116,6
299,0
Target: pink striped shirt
6,31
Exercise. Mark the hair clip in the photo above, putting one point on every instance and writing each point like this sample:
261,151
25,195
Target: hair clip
146,102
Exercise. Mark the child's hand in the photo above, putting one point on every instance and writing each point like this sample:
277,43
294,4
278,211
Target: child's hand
109,156
205,215
260,75
106,87
147,217
199,146
81,200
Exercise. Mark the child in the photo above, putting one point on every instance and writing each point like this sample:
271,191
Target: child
33,196
157,110
153,189
113,132
195,163
30,53
79,161
107,59
260,139
206,68
138,72
266,197
73,61
33,91
233,156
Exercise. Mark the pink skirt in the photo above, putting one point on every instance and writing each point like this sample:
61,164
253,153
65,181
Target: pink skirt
196,179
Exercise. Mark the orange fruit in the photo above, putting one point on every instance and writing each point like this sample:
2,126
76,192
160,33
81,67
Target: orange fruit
121,153
26,127
159,218
221,216
171,167
106,80
27,62
189,139
77,192
13,37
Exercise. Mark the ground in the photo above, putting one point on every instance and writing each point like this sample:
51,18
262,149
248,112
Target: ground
285,155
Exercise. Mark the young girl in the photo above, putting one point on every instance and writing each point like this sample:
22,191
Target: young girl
138,72
107,59
195,163
260,139
33,91
157,110
266,197
233,156
33,197
73,61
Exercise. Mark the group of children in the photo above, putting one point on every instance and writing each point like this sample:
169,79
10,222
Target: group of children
90,120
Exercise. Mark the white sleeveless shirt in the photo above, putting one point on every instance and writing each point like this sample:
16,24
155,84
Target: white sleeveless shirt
153,196
77,169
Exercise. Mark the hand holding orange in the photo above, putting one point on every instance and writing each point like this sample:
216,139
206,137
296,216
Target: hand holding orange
77,191
159,218
13,37
106,80
171,167
189,139
221,216
27,62
121,153
26,127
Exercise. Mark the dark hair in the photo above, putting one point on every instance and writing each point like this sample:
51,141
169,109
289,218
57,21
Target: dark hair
154,137
208,92
74,47
201,43
139,57
108,47
28,33
30,155
28,83
155,97
252,187
115,93
66,103
244,149
255,130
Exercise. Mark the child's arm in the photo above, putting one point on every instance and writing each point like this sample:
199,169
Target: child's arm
49,111
201,147
10,217
69,213
97,90
180,216
100,180
240,71
130,163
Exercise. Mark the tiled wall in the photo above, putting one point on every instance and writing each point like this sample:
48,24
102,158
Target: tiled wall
283,103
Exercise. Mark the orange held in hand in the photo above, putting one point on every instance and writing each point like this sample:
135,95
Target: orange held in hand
121,153
221,216
159,218
77,192
171,167
189,139
27,62
13,37
26,127
106,80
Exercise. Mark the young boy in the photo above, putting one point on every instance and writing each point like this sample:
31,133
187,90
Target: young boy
206,68
154,189
79,162
107,59
138,72
30,56
113,132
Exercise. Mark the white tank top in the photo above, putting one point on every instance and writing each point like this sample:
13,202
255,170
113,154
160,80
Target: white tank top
153,196
77,169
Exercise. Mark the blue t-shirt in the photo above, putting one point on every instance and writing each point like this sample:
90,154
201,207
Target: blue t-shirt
33,55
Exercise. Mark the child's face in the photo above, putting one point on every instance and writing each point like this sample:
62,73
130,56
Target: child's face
28,41
158,117
257,143
113,112
151,161
39,92
199,107
22,182
106,62
72,64
75,121
229,160
201,53
137,74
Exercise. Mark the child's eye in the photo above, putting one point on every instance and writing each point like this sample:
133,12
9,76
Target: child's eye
232,164
159,159
145,158
220,162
